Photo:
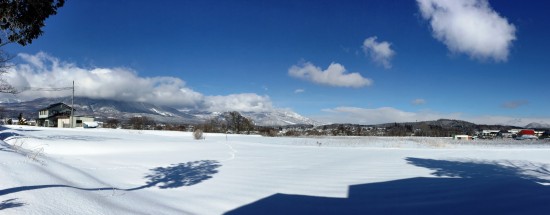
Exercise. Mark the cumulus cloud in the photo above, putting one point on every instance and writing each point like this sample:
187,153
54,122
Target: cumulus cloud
469,26
380,52
44,71
514,104
335,75
389,115
418,102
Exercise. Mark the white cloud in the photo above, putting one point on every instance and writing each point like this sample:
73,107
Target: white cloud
469,26
380,52
335,75
418,102
239,102
44,71
378,115
389,115
506,120
299,91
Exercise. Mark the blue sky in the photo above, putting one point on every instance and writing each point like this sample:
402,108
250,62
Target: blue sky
336,61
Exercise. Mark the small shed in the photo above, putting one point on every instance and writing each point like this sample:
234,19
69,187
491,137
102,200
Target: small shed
462,137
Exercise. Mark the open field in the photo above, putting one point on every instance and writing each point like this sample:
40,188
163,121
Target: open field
109,171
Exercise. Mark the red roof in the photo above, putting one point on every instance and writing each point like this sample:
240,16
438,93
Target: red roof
527,132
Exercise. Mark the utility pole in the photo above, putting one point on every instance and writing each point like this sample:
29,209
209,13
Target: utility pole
72,108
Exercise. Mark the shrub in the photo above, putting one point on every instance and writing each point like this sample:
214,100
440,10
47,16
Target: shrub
197,134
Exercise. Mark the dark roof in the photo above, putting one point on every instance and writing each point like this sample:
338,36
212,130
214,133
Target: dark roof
56,104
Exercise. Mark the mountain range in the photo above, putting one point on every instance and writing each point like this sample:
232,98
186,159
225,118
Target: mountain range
103,109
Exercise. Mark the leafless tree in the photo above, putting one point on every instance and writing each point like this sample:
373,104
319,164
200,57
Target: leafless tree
239,123
140,122
5,87
111,123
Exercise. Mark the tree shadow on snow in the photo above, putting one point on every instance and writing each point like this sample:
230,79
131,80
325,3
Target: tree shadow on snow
182,174
6,135
3,128
174,176
10,203
77,137
475,188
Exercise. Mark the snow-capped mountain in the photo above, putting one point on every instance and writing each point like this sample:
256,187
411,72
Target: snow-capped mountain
537,125
279,117
103,109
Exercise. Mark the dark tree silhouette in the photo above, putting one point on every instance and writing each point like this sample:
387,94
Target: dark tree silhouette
239,123
22,20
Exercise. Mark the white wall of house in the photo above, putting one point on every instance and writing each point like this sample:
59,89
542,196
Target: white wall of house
63,123
77,121
43,114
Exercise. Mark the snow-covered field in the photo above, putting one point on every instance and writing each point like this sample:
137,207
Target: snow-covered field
105,171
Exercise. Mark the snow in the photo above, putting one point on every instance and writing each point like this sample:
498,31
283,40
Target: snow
116,171
160,112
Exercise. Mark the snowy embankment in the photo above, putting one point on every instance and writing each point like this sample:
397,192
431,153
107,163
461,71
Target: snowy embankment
105,171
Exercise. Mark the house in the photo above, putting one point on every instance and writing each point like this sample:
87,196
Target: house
526,134
49,116
489,134
59,115
506,134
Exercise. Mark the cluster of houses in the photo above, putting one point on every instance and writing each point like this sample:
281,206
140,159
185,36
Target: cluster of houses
60,115
519,134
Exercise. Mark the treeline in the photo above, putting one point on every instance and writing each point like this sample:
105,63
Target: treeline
234,122
230,122
386,130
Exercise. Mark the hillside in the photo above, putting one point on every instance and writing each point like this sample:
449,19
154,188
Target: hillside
437,128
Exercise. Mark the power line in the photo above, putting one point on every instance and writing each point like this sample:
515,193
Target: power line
53,89
45,89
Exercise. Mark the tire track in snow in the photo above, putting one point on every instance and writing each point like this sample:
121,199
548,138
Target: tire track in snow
232,153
